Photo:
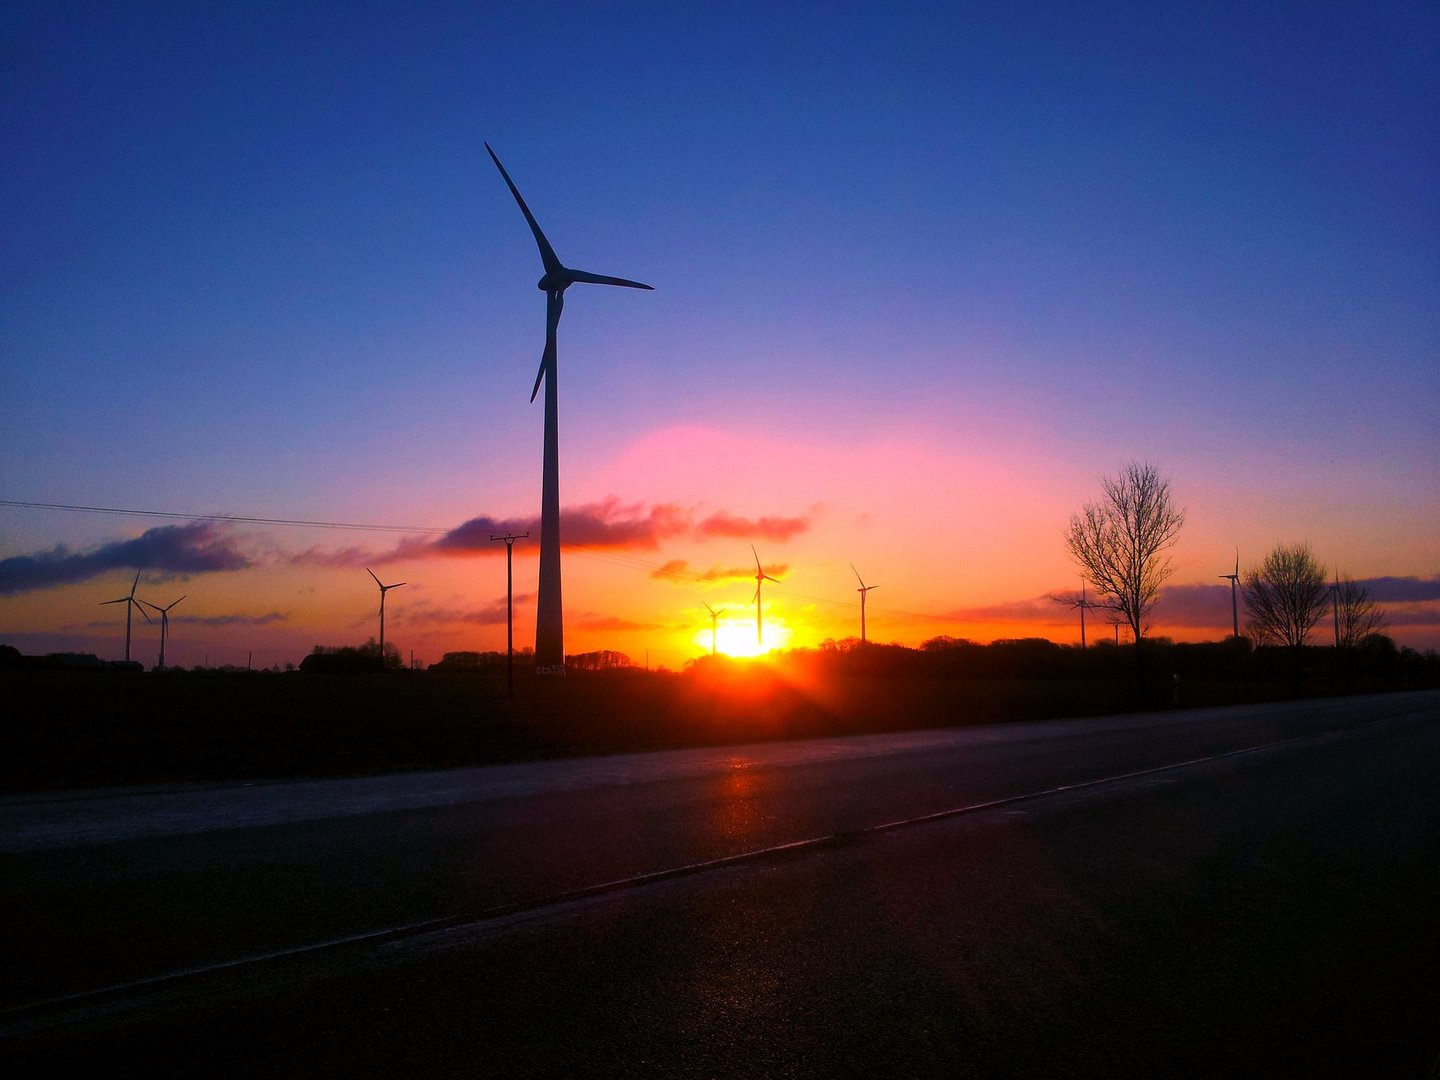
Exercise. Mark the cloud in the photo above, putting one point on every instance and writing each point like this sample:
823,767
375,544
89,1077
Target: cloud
1036,611
1402,589
491,614
166,551
232,620
766,528
678,570
606,524
345,558
1409,615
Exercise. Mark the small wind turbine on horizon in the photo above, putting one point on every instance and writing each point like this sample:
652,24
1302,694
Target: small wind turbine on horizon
862,591
1083,603
383,590
549,616
131,606
714,621
760,578
164,624
1234,580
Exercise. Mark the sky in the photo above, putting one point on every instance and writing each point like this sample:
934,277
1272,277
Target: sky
923,274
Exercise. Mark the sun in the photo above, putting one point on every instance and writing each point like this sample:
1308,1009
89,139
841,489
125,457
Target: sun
736,637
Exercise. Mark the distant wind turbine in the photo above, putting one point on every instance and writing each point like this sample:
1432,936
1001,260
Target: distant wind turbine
549,617
1083,603
131,606
862,591
760,578
383,590
164,624
1234,580
714,619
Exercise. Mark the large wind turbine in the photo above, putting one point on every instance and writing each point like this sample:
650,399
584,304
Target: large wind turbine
164,624
714,621
760,578
862,591
1234,580
131,605
383,590
549,617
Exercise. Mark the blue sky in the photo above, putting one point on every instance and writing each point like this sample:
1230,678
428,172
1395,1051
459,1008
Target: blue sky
257,262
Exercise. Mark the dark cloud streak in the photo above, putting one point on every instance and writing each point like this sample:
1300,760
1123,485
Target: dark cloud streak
169,550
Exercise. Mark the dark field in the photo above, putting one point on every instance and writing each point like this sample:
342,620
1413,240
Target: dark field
100,728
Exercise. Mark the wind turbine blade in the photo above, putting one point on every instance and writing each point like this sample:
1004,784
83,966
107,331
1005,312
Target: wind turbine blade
756,596
135,582
767,577
396,585
119,601
708,608
137,603
857,575
547,253
372,574
757,559
174,602
601,279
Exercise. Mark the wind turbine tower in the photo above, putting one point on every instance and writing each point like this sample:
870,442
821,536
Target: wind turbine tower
1234,580
131,605
383,590
714,621
549,617
164,624
760,578
862,591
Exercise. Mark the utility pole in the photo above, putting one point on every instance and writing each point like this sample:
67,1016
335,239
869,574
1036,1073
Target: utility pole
509,611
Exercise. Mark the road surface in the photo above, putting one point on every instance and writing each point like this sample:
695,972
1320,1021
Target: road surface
1244,891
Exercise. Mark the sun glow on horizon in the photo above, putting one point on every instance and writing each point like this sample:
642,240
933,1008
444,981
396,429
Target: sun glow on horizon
736,637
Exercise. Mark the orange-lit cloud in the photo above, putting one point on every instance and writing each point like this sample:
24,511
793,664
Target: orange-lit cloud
491,614
728,525
678,570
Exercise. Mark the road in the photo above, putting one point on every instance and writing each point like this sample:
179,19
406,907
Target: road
1244,891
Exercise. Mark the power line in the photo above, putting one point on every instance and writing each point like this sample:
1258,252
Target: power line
234,518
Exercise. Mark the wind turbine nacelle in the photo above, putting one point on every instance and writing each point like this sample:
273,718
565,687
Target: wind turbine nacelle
554,282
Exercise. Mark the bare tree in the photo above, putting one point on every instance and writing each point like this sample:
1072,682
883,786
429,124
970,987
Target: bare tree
1285,596
1356,614
1118,543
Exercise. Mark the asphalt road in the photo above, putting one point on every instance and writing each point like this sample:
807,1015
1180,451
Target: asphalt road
1263,913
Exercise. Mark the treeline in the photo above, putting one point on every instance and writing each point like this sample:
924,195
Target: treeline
1376,659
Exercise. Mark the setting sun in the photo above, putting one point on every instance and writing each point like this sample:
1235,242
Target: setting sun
736,637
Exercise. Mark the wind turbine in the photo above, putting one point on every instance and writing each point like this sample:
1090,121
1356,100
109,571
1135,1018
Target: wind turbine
1083,603
131,605
862,591
383,590
1234,580
549,616
164,624
760,578
714,619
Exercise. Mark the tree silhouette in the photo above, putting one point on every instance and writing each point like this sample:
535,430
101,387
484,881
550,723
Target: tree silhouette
1356,614
1285,596
1118,544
